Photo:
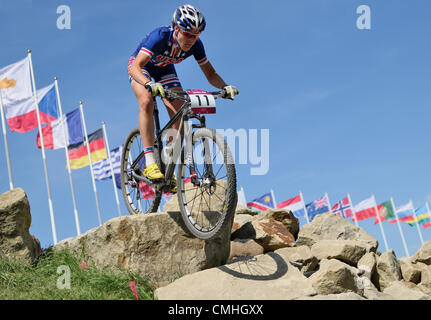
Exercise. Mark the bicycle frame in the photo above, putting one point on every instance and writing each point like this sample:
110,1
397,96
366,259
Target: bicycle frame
184,131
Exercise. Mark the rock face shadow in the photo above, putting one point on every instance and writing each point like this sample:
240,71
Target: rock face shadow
252,268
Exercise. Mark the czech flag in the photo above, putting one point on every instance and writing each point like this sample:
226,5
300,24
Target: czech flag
22,116
78,154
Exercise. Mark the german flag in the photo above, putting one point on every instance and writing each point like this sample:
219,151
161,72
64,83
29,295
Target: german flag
78,154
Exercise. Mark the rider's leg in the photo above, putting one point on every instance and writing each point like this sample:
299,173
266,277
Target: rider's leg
146,128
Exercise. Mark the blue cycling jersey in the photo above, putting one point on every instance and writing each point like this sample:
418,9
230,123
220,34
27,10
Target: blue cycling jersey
164,52
163,49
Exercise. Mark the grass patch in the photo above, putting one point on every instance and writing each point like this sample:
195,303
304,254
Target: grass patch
47,279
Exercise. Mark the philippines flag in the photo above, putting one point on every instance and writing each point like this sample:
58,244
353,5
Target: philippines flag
343,208
21,114
295,204
54,133
262,203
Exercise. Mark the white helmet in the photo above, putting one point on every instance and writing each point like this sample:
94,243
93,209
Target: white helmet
189,19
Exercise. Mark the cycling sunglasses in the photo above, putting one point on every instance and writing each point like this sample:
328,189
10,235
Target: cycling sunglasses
190,35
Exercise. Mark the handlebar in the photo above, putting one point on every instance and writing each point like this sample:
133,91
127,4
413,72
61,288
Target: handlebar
173,94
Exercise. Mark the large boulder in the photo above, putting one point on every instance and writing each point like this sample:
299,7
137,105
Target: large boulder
239,220
334,277
155,245
244,210
423,254
401,291
286,217
367,265
301,257
270,234
330,226
348,251
388,270
16,242
245,248
409,271
267,276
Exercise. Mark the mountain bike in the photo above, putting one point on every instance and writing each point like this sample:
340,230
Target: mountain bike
206,177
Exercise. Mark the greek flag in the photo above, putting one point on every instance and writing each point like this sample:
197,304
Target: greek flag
102,168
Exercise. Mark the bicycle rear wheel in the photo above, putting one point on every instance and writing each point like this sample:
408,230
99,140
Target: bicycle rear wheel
138,196
206,182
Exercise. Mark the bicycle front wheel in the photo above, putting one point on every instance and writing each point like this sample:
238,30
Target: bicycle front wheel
138,196
206,182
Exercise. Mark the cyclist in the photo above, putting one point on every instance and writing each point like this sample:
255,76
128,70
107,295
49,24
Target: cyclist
155,58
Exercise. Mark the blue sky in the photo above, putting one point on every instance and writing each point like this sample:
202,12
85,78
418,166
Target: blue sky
347,109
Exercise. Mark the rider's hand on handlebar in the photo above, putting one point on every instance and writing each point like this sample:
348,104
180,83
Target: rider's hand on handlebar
155,88
229,92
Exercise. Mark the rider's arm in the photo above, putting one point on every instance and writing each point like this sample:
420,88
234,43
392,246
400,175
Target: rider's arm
212,76
135,69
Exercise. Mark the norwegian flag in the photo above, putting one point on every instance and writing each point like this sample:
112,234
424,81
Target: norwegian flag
343,208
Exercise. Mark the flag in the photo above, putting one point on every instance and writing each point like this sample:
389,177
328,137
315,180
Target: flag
365,209
262,203
295,204
146,190
426,225
404,213
102,168
386,211
15,82
53,133
316,207
241,198
78,152
422,216
21,114
343,208
117,177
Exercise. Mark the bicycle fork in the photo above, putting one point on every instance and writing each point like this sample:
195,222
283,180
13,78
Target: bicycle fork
208,179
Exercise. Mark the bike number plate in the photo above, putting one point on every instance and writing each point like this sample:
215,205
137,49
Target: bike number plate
202,102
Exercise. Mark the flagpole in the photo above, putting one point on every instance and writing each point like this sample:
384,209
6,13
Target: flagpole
305,209
243,193
66,149
417,224
401,230
380,224
112,168
51,209
91,163
329,203
353,209
6,145
273,198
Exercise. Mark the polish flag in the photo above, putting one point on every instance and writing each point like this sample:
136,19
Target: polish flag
365,209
